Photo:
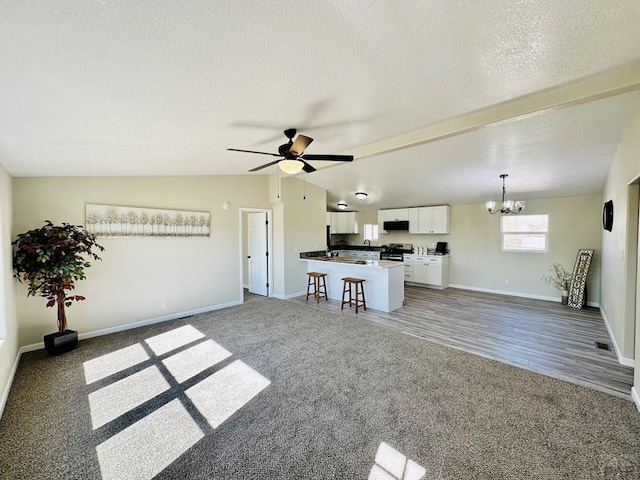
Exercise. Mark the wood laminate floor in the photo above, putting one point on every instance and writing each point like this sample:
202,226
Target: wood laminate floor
542,336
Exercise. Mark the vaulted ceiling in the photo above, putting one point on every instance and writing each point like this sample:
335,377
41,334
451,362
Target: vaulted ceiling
434,98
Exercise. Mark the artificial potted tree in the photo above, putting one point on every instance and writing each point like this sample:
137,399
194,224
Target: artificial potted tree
560,279
49,260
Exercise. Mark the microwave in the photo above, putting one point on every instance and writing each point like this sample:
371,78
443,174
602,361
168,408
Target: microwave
396,225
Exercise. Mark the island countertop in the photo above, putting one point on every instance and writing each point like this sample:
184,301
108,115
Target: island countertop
355,261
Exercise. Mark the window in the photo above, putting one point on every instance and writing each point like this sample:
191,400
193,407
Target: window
371,231
524,233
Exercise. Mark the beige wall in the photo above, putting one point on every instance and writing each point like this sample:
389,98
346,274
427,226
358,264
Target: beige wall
137,274
301,215
620,245
8,321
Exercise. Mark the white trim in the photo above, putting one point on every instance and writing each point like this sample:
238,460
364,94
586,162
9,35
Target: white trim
635,397
142,323
628,362
516,294
291,295
241,233
504,292
7,387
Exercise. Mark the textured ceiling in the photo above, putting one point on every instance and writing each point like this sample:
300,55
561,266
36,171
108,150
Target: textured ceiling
164,87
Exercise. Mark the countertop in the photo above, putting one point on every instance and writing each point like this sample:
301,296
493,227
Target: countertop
355,262
363,248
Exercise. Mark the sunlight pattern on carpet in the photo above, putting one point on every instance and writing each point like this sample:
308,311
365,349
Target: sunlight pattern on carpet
194,360
107,365
227,391
110,402
145,448
393,465
165,342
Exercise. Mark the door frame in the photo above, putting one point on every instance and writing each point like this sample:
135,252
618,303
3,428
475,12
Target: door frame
241,237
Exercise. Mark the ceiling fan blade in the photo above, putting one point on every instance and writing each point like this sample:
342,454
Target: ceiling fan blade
253,151
328,158
299,146
264,166
307,168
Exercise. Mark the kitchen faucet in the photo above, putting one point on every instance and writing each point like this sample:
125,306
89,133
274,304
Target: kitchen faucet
369,242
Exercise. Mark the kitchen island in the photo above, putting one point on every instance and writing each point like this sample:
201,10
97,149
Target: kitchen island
384,280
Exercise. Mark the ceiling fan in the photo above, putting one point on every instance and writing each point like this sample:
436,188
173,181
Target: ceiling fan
293,160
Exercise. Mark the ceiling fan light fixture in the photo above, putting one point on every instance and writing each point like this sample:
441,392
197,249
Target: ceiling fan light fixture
342,205
291,166
361,195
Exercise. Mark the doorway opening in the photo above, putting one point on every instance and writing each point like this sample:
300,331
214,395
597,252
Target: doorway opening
256,241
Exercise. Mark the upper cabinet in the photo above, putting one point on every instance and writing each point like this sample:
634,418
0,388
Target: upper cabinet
429,220
424,220
344,222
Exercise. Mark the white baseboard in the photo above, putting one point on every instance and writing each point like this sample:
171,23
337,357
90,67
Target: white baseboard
635,397
516,294
628,362
291,295
503,292
7,387
142,323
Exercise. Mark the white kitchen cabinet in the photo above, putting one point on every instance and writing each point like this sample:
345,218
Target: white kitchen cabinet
429,220
408,268
344,222
329,218
359,254
430,270
396,214
414,220
382,217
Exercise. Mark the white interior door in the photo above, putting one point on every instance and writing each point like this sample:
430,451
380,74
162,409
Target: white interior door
258,267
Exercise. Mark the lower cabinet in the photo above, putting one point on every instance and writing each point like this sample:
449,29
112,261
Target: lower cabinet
363,254
431,270
408,268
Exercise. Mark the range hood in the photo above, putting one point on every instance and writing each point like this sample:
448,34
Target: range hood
396,225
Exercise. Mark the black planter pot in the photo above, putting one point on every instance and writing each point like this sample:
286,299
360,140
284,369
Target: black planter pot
57,343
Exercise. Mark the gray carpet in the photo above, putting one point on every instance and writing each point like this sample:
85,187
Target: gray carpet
339,387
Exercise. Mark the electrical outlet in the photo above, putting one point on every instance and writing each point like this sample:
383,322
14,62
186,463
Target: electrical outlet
506,282
163,305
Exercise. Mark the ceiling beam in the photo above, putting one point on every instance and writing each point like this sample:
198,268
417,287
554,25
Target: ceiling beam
602,85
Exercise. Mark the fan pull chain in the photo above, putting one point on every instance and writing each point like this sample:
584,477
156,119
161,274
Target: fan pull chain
304,186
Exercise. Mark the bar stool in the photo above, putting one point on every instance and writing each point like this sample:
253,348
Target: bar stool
359,285
318,280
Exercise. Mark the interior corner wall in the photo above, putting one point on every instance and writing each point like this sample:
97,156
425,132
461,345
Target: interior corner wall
136,275
299,226
617,306
8,320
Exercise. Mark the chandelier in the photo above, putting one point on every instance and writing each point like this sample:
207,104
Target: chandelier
508,206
